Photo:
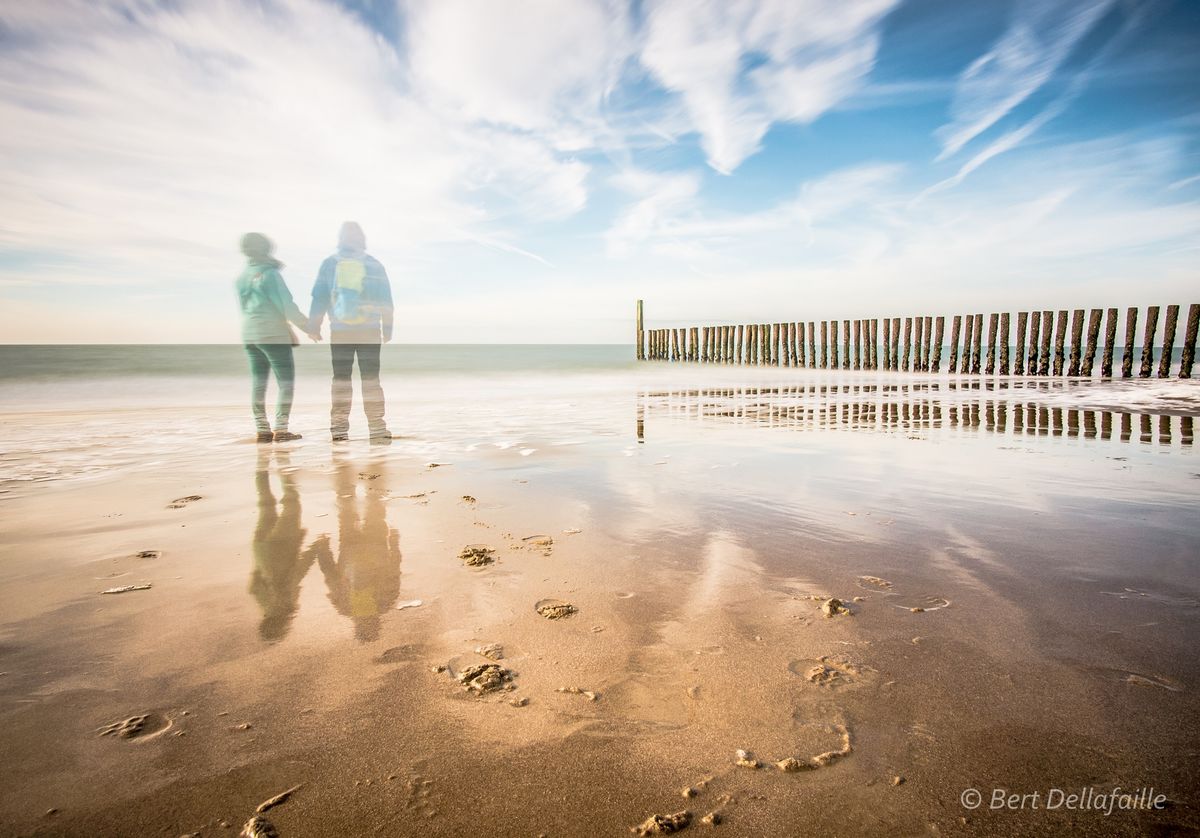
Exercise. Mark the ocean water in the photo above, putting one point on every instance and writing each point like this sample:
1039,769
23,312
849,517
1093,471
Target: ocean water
76,412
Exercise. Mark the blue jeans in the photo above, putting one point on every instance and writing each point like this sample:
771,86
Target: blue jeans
266,358
342,392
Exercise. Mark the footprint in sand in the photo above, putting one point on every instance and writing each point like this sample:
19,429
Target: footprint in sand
919,605
180,503
143,725
874,583
554,609
830,672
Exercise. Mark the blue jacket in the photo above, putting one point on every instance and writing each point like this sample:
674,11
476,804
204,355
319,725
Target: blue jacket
354,286
266,305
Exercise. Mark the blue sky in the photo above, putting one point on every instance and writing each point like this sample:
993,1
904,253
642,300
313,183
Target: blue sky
526,170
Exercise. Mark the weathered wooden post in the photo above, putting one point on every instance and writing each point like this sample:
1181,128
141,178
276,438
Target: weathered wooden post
800,355
674,344
875,343
779,344
1035,319
1059,339
824,344
887,343
845,344
812,343
1047,335
738,356
1131,318
955,328
1110,343
968,336
641,338
918,328
1148,341
1019,356
977,346
925,346
895,341
1093,338
1004,343
855,356
935,365
993,323
731,345
904,363
1168,344
1076,341
1189,342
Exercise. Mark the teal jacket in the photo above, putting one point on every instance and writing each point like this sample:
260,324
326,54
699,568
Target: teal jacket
266,305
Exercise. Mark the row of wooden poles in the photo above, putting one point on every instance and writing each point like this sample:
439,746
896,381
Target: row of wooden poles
797,344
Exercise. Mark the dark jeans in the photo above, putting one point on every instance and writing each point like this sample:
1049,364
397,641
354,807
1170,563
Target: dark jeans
266,358
343,387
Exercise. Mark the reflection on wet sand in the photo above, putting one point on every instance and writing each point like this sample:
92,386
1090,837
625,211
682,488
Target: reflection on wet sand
279,566
364,580
914,408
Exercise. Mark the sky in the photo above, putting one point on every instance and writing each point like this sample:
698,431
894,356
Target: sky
527,169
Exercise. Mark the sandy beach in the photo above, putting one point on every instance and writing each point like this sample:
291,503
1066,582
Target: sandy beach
807,604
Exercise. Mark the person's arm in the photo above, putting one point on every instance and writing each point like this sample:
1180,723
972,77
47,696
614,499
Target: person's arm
386,308
278,291
320,297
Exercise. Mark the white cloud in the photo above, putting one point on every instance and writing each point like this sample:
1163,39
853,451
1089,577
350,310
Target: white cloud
806,54
1040,37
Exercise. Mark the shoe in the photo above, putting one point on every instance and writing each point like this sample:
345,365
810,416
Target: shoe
381,438
286,436
265,436
341,438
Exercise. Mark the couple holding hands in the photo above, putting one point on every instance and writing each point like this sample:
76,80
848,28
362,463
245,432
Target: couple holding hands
352,289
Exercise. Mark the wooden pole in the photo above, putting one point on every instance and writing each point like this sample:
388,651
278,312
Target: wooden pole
1035,319
1004,324
895,341
887,343
778,344
834,363
674,344
1110,342
845,344
858,344
800,358
993,323
1093,338
875,343
1047,335
738,346
1168,344
977,346
918,328
1076,341
905,361
641,338
1148,341
1060,338
935,365
812,343
926,345
1019,356
955,329
824,344
1131,318
1189,342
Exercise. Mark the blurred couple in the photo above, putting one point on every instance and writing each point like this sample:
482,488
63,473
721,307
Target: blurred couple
353,290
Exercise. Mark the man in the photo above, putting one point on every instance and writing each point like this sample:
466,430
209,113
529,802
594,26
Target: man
353,289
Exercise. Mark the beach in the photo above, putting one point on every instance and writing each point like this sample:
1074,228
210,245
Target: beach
577,592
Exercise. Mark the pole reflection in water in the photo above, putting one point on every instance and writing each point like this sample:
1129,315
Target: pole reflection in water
364,579
279,566
913,408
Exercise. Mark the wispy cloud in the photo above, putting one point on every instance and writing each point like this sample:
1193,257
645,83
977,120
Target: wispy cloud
1040,37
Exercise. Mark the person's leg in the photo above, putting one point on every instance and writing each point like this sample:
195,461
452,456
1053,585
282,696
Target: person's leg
284,366
372,390
260,368
342,390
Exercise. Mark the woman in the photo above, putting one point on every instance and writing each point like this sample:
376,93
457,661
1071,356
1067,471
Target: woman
267,306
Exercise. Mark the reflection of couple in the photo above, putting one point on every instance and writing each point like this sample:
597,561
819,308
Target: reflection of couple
364,580
352,288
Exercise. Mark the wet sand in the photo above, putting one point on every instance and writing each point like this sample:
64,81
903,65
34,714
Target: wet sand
387,628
